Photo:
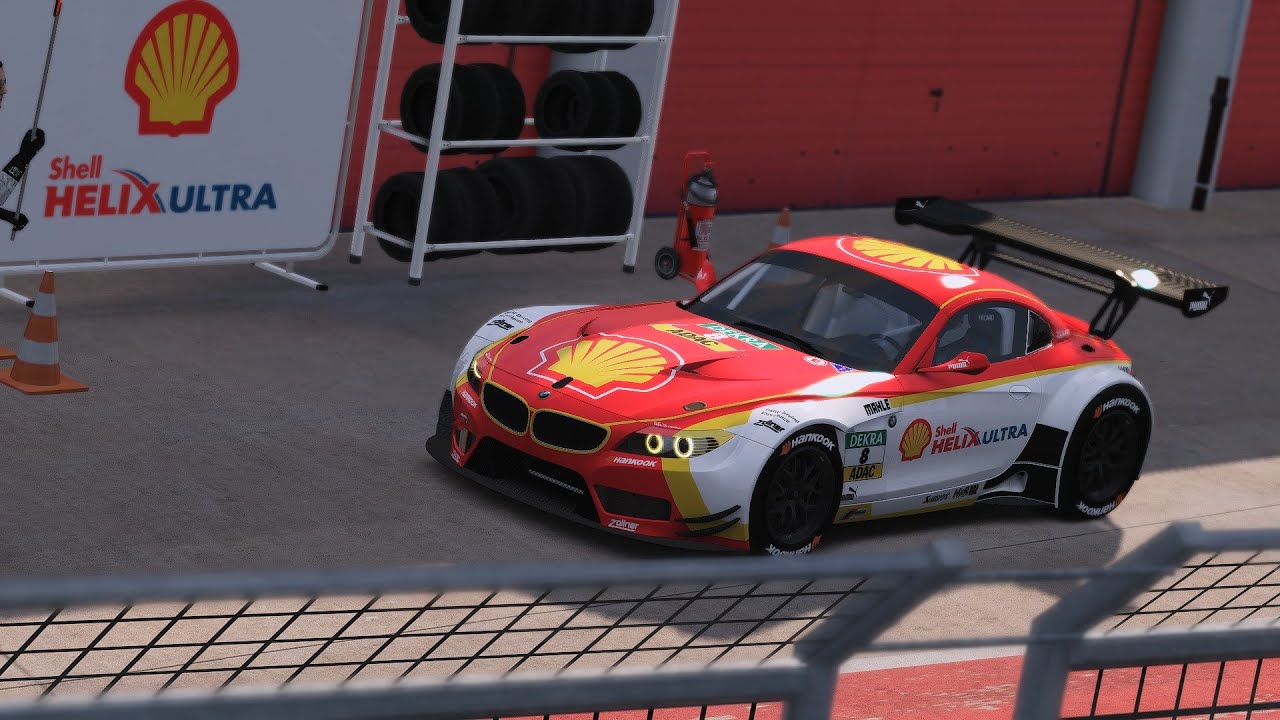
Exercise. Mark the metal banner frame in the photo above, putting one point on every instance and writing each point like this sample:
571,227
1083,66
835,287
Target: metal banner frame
279,263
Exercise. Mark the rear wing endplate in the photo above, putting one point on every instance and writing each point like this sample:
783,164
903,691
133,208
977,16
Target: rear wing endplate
1121,278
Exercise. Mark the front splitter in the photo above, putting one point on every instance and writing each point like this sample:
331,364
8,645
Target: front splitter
439,447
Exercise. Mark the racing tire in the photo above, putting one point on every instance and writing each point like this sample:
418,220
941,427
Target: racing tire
430,18
418,103
667,263
505,118
581,17
395,210
797,494
626,98
1105,454
574,104
486,102
563,202
455,216
604,198
481,205
630,17
533,200
562,108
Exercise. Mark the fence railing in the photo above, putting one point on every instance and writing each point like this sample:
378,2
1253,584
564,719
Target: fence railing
1187,597
767,633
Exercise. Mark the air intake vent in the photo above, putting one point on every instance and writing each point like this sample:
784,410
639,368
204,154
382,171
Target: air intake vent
506,409
563,432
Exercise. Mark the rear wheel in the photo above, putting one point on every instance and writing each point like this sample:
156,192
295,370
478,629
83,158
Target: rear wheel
796,496
1105,453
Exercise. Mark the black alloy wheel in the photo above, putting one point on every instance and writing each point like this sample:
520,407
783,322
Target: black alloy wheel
798,499
1108,456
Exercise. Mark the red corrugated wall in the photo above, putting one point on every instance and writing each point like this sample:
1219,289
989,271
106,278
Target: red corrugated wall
1251,152
828,104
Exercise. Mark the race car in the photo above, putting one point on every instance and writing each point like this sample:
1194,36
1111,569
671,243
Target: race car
832,380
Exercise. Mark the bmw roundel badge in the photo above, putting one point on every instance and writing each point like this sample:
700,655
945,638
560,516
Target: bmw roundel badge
544,394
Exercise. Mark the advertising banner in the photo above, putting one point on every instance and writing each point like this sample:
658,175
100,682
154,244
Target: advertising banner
200,129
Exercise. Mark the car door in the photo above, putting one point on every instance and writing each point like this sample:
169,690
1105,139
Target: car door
960,426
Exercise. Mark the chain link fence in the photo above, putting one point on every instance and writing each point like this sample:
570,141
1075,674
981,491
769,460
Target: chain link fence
1186,625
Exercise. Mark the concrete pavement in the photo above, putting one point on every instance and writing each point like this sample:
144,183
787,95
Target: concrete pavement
237,421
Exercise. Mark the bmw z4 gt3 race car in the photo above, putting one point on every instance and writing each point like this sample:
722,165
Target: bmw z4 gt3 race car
832,380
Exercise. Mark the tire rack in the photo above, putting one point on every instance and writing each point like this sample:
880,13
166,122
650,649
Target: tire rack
652,113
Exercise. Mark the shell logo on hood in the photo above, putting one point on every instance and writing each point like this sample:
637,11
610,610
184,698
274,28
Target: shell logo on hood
886,253
609,363
185,62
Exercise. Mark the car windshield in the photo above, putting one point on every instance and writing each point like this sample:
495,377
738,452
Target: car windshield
821,307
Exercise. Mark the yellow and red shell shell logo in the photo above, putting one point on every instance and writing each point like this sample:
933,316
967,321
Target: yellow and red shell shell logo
915,439
605,364
897,256
184,63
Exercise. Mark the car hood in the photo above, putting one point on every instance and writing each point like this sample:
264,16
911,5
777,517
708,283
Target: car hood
658,361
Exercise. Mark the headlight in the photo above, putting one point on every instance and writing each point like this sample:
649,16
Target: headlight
668,444
473,373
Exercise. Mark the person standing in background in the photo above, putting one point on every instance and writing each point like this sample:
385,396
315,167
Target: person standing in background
14,171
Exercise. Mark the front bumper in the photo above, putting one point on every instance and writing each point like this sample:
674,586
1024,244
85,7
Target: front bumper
561,491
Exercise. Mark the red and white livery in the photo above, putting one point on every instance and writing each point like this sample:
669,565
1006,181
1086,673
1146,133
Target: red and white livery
833,380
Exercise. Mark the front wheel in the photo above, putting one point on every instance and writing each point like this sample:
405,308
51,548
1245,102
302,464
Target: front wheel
796,495
1105,454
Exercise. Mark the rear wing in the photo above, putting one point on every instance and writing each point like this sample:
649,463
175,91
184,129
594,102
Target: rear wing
1121,278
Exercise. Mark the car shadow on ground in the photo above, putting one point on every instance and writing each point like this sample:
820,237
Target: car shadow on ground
983,529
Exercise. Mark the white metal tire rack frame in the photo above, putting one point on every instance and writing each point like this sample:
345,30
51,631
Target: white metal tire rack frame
652,113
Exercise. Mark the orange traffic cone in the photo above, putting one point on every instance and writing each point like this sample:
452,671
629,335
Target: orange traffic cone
36,371
782,231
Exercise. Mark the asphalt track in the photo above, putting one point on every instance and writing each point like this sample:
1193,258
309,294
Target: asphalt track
985,690
236,421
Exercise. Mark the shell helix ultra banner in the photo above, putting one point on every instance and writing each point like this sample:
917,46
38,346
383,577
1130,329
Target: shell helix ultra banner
172,128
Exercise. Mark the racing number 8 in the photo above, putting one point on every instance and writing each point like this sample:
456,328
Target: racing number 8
865,452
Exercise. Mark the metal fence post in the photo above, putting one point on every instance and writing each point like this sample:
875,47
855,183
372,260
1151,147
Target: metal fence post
1056,632
841,637
816,701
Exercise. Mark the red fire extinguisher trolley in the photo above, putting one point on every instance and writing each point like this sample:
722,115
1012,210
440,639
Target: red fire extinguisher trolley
690,253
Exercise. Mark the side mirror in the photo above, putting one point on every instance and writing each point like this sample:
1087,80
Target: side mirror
969,363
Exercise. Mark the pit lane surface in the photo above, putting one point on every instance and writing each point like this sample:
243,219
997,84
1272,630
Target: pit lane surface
236,421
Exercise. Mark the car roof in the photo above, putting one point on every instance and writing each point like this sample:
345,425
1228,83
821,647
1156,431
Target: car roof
940,280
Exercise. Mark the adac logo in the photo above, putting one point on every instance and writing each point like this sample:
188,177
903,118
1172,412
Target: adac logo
184,63
608,363
897,256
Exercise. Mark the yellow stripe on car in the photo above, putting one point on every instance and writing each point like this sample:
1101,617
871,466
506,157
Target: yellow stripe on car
683,485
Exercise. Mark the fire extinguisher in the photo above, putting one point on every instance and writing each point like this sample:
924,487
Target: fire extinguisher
690,253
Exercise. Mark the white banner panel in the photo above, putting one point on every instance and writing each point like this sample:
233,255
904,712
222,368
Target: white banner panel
177,128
